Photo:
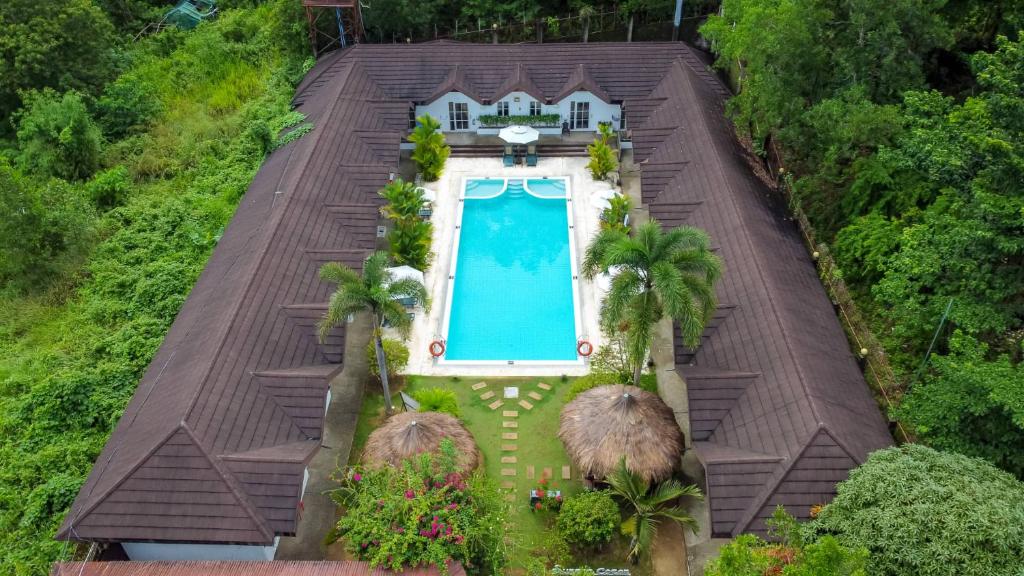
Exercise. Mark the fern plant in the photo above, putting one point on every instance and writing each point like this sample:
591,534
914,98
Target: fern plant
437,400
431,151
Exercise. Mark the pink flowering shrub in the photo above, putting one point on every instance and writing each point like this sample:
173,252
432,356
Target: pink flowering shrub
423,513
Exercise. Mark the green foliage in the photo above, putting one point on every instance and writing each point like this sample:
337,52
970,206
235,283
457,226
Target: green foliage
971,404
593,380
922,512
424,513
437,400
659,273
787,554
57,137
396,353
431,152
602,159
109,188
493,120
588,519
127,106
72,353
411,235
614,216
863,248
45,230
646,506
60,44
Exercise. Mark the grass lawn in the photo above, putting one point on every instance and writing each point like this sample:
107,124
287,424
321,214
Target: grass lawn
536,443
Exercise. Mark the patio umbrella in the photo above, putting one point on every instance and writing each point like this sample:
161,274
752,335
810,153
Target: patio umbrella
604,281
428,195
602,203
519,134
603,424
407,434
406,272
606,193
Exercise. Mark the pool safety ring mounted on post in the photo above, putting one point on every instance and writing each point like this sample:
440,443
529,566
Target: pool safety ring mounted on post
584,348
437,348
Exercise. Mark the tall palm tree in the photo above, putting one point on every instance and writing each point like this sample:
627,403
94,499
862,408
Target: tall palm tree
647,506
377,291
660,273
431,151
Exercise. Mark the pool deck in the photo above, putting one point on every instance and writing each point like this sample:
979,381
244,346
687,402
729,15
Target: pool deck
427,327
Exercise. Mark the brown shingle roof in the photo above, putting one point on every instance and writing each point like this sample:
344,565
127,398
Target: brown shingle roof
212,446
187,568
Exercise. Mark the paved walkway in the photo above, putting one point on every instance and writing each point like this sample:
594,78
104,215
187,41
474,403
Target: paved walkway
319,512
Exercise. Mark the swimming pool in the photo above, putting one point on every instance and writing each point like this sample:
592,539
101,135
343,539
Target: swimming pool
512,289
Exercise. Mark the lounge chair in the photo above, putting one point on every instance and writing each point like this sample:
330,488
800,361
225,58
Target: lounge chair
531,155
509,159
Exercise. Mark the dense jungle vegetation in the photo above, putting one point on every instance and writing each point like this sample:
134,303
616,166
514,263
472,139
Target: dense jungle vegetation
120,164
901,123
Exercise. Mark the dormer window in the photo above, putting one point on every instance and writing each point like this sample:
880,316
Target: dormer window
503,109
535,108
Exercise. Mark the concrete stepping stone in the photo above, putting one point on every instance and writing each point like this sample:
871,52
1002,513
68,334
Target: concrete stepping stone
479,385
508,471
566,473
526,405
487,395
508,485
509,447
508,459
510,424
535,396
509,414
546,474
496,404
543,386
510,497
530,472
510,436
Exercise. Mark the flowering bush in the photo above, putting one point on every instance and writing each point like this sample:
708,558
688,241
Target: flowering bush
545,498
424,513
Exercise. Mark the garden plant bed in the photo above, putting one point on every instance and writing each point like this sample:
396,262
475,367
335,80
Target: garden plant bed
531,534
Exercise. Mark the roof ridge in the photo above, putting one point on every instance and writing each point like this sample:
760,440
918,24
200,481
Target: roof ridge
229,479
266,242
581,78
106,493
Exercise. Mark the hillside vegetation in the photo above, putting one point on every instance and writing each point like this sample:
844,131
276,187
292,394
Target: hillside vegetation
123,164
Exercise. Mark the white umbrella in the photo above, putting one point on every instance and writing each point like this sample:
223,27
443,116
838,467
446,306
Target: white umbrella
602,203
604,281
428,196
519,134
404,272
607,193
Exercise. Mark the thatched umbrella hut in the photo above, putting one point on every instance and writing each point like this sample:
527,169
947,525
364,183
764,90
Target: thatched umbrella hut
407,434
605,423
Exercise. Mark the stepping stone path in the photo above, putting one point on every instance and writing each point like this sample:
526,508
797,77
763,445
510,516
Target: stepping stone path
508,471
509,414
530,472
479,385
510,424
526,405
510,436
508,485
566,473
543,386
535,396
508,459
546,473
487,395
509,447
495,405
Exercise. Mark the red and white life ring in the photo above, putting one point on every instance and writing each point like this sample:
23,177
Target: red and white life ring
584,348
437,348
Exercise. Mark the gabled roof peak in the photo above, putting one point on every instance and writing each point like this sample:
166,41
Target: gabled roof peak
519,81
455,82
581,79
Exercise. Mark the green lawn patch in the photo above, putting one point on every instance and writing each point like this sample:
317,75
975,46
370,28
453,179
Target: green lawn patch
532,534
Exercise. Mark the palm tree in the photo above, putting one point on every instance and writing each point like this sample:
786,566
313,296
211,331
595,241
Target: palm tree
377,291
647,506
660,273
431,151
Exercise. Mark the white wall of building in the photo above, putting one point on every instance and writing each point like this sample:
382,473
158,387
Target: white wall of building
154,551
600,111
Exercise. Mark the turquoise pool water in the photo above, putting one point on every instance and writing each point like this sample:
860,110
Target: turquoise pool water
512,297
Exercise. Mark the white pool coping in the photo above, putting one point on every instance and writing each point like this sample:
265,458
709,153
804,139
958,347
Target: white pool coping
584,216
453,270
